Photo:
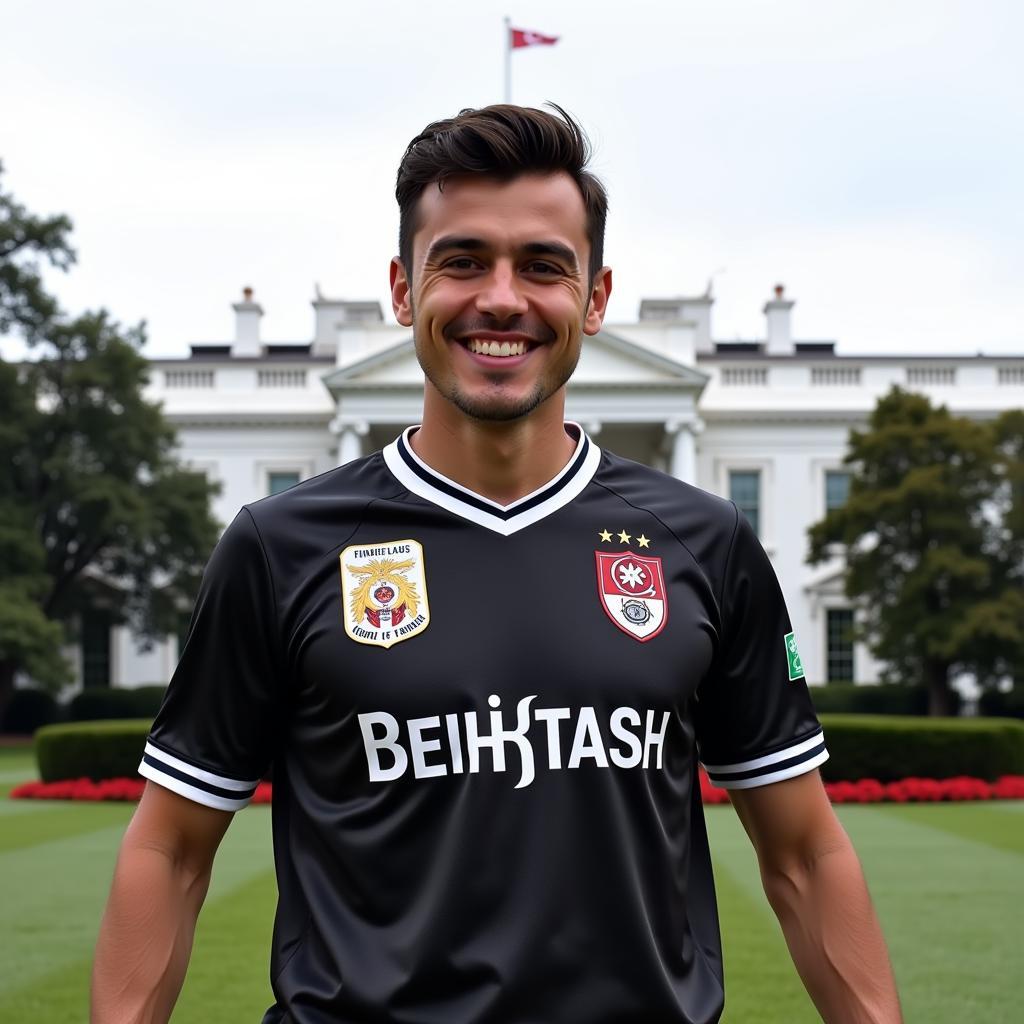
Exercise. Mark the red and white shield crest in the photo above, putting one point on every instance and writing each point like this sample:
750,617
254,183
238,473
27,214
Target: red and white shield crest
632,590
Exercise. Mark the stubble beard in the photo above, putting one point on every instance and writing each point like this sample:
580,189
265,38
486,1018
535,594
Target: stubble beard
494,407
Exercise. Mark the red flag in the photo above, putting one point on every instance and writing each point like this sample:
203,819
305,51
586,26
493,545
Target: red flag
524,37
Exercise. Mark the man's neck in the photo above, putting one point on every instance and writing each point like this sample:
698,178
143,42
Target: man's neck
501,461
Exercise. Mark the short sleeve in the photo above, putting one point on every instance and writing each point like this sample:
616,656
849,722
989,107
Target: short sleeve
754,719
214,735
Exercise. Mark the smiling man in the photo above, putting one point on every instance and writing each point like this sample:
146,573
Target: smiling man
484,664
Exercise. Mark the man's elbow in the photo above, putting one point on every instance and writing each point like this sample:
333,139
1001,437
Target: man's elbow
788,876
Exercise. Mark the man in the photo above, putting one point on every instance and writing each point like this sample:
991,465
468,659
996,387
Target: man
483,664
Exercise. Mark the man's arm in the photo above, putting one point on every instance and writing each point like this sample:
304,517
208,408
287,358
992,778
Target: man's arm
161,878
814,883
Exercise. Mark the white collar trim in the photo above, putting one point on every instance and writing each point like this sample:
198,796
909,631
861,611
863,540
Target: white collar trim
414,474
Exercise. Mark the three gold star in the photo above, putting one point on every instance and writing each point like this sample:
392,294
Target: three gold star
606,538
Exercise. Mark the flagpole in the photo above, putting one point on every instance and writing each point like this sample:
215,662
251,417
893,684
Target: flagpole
508,60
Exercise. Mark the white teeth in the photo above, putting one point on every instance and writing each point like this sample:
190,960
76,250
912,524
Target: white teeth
496,348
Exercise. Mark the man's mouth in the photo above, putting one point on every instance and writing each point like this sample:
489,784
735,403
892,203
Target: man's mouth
484,347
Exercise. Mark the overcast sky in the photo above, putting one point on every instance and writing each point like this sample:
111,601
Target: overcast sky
869,156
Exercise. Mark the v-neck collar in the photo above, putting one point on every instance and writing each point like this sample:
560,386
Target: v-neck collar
411,471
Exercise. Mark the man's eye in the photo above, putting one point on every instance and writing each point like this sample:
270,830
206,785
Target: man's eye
542,267
461,263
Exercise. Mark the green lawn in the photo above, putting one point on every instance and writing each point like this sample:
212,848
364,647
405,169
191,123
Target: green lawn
948,881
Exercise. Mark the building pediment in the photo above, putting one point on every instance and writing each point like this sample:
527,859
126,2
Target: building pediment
607,360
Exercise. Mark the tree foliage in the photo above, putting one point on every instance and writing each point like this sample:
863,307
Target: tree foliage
94,507
932,538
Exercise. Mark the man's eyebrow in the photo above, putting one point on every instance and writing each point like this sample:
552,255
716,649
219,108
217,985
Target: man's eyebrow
448,243
464,243
556,249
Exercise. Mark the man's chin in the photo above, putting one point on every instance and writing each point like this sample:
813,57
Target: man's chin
496,408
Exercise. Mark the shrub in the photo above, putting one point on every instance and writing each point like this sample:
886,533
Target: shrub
890,747
102,703
1002,705
91,750
28,710
875,699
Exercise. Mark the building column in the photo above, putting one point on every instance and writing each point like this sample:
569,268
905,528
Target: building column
350,434
681,440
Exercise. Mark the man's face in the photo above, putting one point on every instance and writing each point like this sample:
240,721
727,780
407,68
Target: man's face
500,297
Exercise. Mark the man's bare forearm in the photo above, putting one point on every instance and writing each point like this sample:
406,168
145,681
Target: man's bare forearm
162,874
835,938
146,936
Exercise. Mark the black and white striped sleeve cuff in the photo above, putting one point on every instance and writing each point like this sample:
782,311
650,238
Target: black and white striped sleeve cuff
783,764
205,787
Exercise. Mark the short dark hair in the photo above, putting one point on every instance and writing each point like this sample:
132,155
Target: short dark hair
500,141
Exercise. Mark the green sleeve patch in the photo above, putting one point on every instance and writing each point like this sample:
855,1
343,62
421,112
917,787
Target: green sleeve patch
796,668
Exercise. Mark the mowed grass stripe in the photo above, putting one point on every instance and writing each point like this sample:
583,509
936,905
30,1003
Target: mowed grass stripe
943,901
59,821
16,767
227,981
979,823
229,977
55,891
756,961
54,894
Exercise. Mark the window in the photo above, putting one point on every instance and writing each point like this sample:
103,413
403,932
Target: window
95,643
281,480
839,645
745,490
837,488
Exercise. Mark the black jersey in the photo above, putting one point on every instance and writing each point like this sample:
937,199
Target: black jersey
485,724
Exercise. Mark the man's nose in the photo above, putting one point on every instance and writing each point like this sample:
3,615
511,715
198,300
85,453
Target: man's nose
500,295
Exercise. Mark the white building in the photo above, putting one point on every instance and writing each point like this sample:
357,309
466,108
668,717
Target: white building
763,422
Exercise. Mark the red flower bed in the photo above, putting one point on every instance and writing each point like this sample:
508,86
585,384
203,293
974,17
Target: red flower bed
107,789
864,791
871,791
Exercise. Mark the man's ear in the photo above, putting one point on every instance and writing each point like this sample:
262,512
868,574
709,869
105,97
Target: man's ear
401,293
599,294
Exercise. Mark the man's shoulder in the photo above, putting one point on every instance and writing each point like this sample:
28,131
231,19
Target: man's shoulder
341,495
680,505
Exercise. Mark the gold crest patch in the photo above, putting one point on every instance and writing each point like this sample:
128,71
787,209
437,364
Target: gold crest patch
384,592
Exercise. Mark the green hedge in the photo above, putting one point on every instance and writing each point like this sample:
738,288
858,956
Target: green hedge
102,703
875,699
883,747
27,710
889,747
94,750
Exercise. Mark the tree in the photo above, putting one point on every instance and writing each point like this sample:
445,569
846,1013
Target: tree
918,533
94,506
996,627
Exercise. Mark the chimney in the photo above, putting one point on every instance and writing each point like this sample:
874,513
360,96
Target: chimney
698,310
780,332
247,326
693,314
334,314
